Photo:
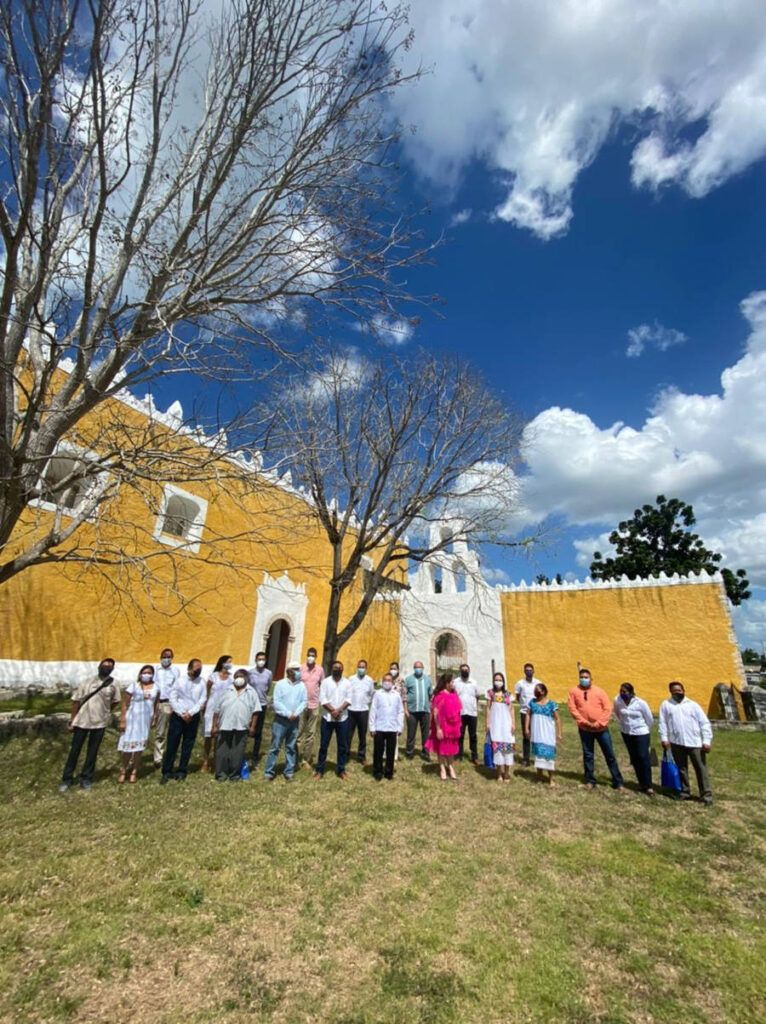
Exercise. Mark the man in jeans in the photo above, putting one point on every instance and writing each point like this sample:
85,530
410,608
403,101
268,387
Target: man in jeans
591,709
289,703
418,691
686,729
311,677
92,704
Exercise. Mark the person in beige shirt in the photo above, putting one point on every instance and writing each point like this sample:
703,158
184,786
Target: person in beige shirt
92,704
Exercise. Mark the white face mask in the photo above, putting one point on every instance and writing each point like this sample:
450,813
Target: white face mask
311,660
387,684
260,664
146,677
228,668
497,684
166,662
239,682
394,672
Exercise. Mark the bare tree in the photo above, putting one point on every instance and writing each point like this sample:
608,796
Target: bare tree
179,186
385,447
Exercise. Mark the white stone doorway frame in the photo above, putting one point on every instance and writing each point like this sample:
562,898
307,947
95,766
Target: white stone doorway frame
279,598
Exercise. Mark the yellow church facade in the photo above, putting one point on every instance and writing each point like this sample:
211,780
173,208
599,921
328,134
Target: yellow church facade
234,561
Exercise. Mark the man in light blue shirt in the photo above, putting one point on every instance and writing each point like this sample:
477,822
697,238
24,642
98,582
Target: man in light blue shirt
418,692
289,700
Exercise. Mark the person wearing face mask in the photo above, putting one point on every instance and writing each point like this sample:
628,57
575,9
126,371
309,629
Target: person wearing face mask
686,730
362,689
444,735
591,709
335,698
500,727
220,679
260,679
395,674
290,699
187,699
92,704
524,691
386,722
468,692
137,717
311,677
635,720
234,716
418,692
544,731
165,675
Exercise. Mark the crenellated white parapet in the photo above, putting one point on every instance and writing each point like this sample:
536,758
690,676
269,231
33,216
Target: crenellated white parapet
624,582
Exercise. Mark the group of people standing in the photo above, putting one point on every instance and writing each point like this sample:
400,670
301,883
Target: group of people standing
231,706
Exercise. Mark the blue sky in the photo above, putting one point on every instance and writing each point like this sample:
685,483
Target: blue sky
606,165
598,169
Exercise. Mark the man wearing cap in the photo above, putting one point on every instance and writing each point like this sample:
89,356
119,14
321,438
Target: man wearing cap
289,702
260,679
418,692
311,677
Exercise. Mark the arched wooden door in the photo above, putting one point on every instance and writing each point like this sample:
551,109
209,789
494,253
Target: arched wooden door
448,654
276,647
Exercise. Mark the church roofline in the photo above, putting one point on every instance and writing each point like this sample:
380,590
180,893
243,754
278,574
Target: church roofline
623,583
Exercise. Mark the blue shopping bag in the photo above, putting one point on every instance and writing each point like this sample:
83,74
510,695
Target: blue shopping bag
670,775
245,772
489,760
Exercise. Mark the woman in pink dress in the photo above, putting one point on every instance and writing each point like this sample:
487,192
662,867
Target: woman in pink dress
444,738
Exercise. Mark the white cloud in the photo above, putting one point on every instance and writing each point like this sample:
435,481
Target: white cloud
495,575
750,623
461,217
388,329
709,450
535,88
585,546
654,335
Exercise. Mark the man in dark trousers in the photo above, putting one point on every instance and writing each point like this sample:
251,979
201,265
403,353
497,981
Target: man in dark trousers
92,705
187,699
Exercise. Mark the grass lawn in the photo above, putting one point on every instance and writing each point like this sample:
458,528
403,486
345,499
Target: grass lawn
410,901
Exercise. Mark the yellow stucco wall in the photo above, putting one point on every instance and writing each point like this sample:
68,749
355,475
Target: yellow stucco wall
200,604
645,635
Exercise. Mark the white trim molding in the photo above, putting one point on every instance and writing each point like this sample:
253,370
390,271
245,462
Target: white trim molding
191,542
280,598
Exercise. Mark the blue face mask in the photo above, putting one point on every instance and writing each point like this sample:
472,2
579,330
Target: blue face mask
361,672
418,673
585,683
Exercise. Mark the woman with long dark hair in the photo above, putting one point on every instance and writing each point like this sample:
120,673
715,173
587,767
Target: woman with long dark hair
444,738
500,727
220,679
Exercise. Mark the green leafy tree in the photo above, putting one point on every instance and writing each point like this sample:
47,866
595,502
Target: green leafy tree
752,657
542,578
658,539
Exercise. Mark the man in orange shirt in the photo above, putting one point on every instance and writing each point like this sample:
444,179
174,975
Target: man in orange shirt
591,709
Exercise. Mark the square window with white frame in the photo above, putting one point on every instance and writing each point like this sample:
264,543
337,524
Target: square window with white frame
181,519
67,481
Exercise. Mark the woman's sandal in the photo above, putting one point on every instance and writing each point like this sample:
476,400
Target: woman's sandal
121,776
133,776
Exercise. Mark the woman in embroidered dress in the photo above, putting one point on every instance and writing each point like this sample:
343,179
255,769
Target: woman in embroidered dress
138,715
220,680
545,732
500,727
444,737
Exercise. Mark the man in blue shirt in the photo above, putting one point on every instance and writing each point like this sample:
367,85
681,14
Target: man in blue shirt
290,699
418,692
